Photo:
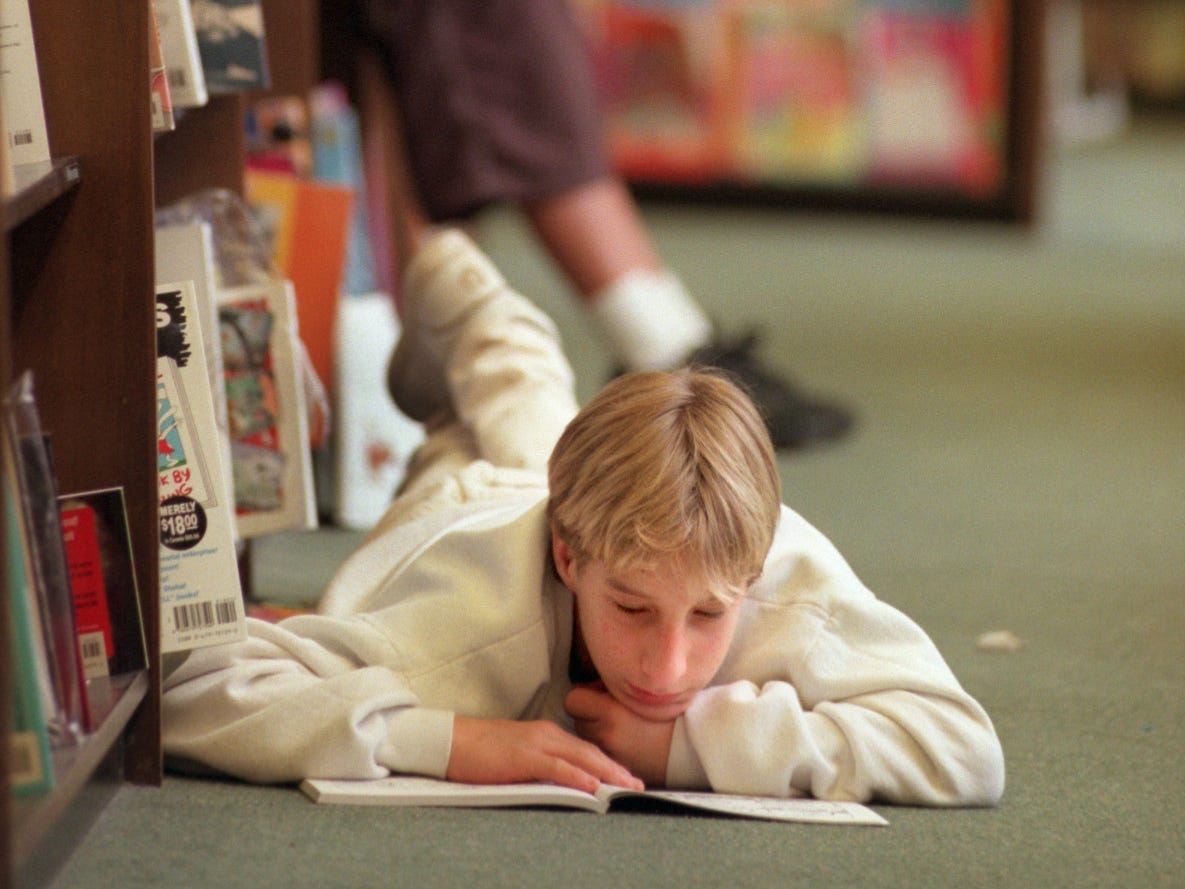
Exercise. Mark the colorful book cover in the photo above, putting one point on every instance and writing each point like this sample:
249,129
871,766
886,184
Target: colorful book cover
230,35
659,69
201,596
183,61
184,251
336,138
794,113
309,223
103,576
930,120
20,86
269,430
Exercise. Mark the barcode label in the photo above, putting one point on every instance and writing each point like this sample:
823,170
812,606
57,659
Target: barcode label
204,614
22,137
177,78
94,654
24,759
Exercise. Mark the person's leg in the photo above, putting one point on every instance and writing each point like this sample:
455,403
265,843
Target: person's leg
510,113
499,364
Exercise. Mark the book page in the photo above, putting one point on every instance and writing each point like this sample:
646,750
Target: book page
765,808
412,790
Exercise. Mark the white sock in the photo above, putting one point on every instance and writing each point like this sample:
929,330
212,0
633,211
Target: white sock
651,320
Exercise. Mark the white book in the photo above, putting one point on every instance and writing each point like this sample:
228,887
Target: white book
373,440
184,251
183,61
410,790
201,595
267,411
20,86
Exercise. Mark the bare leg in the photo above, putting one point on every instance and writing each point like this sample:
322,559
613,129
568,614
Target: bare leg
596,234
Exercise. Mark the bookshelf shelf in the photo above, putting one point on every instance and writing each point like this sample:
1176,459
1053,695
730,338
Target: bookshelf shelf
38,186
35,818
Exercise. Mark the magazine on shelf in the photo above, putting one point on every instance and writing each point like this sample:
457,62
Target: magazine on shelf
230,37
201,596
267,411
410,790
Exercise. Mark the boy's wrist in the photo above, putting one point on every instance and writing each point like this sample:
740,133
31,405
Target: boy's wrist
684,769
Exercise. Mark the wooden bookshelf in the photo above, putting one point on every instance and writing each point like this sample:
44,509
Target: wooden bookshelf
77,296
77,307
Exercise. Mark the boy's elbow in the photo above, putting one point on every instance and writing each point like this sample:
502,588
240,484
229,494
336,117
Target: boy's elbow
978,779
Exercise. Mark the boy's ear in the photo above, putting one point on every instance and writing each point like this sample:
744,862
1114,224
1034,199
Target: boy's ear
564,558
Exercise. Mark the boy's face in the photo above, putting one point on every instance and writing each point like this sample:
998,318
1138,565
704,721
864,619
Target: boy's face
655,637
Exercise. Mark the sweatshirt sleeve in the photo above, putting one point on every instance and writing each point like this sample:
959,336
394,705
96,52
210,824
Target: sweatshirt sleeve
282,706
835,694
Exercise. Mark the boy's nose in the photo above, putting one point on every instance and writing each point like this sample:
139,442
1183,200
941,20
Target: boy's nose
665,662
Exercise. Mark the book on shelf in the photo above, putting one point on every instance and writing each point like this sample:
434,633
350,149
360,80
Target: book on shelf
201,596
30,763
161,97
184,251
267,409
335,137
307,223
230,36
373,440
277,135
410,790
20,86
103,579
40,521
183,61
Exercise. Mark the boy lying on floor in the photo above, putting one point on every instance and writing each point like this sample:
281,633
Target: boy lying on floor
615,594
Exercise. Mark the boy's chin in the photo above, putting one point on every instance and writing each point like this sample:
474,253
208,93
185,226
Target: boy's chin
652,711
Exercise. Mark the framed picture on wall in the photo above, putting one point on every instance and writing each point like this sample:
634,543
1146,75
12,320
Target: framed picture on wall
922,106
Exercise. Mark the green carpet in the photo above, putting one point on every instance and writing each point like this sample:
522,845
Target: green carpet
1019,464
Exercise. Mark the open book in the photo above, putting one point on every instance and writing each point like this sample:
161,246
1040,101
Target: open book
406,790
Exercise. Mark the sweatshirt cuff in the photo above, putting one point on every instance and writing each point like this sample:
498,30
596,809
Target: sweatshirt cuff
684,769
418,742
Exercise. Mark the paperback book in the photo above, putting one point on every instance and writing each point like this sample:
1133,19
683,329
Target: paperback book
20,86
201,597
103,577
410,790
183,62
266,406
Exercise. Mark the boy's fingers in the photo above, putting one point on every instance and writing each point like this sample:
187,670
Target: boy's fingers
590,760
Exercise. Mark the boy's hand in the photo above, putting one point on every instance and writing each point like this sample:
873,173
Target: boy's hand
640,744
503,751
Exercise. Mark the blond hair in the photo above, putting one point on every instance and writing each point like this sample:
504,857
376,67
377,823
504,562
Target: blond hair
662,465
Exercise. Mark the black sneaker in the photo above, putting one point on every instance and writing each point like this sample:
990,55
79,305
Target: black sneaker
794,420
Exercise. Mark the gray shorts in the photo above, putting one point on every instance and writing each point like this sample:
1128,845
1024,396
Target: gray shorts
497,98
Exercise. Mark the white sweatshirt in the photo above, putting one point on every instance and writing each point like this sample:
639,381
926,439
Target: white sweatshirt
452,606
